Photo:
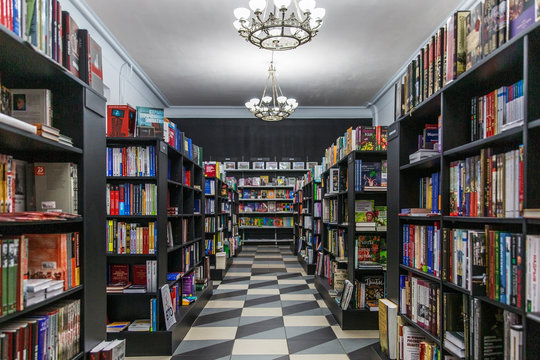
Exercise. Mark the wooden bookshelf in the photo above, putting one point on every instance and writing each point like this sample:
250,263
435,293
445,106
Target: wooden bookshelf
171,165
79,112
518,59
345,199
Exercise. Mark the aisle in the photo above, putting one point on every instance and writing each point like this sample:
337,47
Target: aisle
267,309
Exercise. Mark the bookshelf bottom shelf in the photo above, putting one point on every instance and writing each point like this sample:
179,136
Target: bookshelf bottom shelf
164,343
219,274
347,319
308,268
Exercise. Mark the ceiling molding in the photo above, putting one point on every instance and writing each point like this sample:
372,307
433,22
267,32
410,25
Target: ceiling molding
465,4
102,29
240,112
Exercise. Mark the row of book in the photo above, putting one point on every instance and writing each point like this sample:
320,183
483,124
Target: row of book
467,37
55,33
266,221
488,184
336,240
178,140
110,350
212,224
266,180
131,199
370,250
498,111
53,332
131,161
209,187
131,238
134,278
420,301
265,206
330,210
266,194
184,231
214,244
367,291
25,187
36,267
363,138
317,209
270,165
429,193
190,257
328,268
422,247
532,296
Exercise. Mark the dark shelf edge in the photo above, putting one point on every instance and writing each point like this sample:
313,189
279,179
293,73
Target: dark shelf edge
478,144
420,273
500,304
426,333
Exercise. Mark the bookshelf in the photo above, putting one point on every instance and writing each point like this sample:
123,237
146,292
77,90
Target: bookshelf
297,209
310,224
259,225
79,113
517,59
339,225
174,209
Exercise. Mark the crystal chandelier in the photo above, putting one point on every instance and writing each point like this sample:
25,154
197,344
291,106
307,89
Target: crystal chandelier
283,28
275,107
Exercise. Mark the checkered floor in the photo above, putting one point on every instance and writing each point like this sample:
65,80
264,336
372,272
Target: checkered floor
266,308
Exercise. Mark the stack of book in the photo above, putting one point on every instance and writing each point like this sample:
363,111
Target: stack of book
109,350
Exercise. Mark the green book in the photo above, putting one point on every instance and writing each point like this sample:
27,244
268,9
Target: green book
12,274
5,262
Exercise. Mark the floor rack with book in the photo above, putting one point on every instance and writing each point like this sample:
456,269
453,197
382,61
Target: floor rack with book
476,189
337,262
265,219
155,233
310,224
79,113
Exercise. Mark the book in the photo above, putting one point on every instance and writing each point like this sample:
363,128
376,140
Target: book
120,121
388,328
521,15
474,35
149,122
140,325
168,311
56,187
70,44
32,106
117,326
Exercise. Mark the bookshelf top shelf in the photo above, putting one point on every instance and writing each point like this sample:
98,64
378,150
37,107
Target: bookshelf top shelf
512,136
30,146
429,163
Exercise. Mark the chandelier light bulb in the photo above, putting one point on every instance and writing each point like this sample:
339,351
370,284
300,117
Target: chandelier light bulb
315,23
318,13
267,99
307,6
242,13
275,32
282,4
257,5
282,99
237,24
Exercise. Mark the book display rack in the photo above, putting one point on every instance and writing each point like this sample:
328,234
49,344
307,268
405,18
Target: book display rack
162,207
341,258
309,224
460,235
79,112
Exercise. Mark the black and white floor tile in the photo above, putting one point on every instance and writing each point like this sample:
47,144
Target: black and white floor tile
266,308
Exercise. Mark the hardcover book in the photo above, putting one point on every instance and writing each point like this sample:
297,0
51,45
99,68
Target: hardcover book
243,165
298,165
258,165
374,286
120,121
230,165
368,249
48,257
149,121
371,173
71,44
368,141
284,165
56,187
33,106
474,35
521,15
271,165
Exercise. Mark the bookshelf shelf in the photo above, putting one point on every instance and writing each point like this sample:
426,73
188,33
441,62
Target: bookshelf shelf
266,170
174,183
145,294
174,248
265,199
501,305
66,294
534,124
482,220
24,225
411,218
424,332
266,227
267,213
131,178
534,317
432,162
512,136
132,217
267,187
131,255
428,106
455,287
420,273
79,356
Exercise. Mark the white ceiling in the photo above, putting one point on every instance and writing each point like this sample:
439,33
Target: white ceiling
191,51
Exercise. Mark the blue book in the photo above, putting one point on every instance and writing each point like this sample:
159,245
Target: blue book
149,121
16,17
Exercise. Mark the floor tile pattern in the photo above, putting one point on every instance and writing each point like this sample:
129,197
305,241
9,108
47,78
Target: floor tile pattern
266,308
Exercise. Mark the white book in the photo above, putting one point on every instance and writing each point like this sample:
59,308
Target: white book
32,105
516,342
414,298
516,183
36,285
411,343
51,182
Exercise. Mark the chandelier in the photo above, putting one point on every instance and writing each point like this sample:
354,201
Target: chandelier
283,28
275,107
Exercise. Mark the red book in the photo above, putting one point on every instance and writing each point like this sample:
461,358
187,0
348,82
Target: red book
210,170
139,274
121,201
145,240
120,121
411,246
124,161
117,200
60,34
118,273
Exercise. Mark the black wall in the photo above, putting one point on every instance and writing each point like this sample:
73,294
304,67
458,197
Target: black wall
245,139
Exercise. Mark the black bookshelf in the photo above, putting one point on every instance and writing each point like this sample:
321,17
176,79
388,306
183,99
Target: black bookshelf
517,59
178,181
345,222
309,234
266,234
79,112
